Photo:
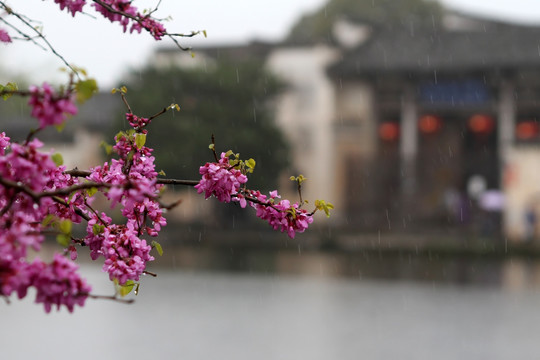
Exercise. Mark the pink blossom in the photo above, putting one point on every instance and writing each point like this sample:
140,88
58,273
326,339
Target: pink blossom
4,36
123,6
282,215
125,254
48,107
4,143
136,122
15,276
156,29
220,180
59,284
73,6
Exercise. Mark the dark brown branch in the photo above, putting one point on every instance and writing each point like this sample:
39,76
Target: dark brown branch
170,206
163,111
177,182
86,173
78,173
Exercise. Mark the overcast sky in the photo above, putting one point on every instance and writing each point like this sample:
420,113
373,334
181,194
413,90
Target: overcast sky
106,52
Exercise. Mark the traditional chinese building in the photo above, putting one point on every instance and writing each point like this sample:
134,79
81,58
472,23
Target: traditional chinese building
416,129
412,129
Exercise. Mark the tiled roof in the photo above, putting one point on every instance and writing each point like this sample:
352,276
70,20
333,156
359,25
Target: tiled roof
502,47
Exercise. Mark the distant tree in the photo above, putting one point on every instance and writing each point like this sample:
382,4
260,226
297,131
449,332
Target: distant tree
230,100
393,14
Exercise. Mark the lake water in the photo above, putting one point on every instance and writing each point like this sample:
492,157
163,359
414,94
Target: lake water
185,314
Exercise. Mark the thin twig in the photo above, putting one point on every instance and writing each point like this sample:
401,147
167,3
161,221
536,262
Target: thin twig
60,192
113,298
126,102
41,36
77,210
214,147
163,111
24,35
177,182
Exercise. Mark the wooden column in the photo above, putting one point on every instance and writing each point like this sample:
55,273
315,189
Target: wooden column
506,121
408,141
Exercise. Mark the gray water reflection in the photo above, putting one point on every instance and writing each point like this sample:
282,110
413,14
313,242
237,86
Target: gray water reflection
194,315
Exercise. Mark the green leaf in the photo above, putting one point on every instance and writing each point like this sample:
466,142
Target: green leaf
251,163
158,247
125,289
97,229
140,140
57,159
65,227
9,87
162,173
86,89
60,127
204,33
63,239
174,106
50,219
92,191
108,147
324,206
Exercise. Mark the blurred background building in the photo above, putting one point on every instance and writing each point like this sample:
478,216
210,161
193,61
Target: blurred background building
409,117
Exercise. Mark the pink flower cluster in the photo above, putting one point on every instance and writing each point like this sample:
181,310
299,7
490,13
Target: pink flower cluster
4,36
155,28
125,253
131,183
136,122
138,21
281,215
59,284
224,181
73,6
121,11
4,143
220,180
21,225
50,108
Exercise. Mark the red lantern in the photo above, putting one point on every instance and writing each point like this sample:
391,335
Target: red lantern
389,131
527,130
481,124
430,124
